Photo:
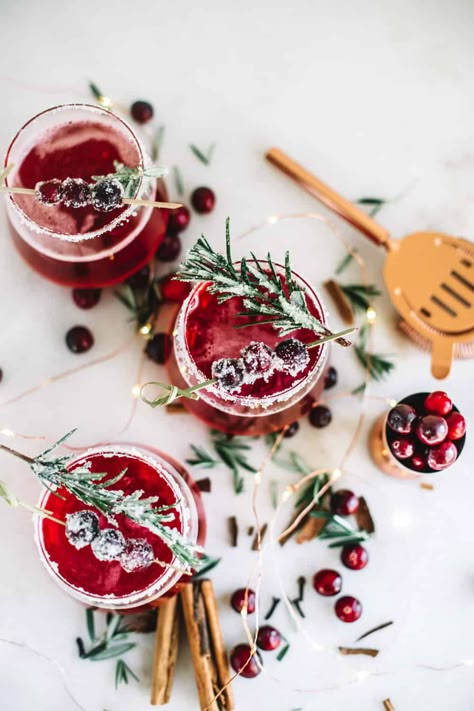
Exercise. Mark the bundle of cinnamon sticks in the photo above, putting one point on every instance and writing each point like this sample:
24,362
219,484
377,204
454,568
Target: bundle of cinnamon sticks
197,605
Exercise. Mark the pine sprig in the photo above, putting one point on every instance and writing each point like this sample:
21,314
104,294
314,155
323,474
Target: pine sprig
230,451
200,155
338,531
359,295
378,366
258,285
143,304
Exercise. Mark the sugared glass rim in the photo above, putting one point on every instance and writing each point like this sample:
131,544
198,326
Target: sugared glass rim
186,508
80,237
247,400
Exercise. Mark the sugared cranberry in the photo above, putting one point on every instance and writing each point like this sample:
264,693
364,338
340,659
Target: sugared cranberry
348,608
354,556
268,638
242,597
418,462
86,298
320,416
258,359
293,356
344,502
244,662
331,378
442,456
432,429
229,372
107,194
79,339
438,402
49,192
456,425
169,249
327,582
203,200
141,111
291,430
76,192
140,279
158,348
401,418
174,290
178,220
402,447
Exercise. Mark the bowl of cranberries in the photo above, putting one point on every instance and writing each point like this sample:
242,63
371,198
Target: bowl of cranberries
425,432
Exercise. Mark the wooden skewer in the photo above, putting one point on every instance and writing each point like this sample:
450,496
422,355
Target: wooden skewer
166,652
125,201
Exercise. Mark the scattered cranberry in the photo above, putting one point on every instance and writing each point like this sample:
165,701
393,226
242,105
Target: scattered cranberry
439,403
86,298
354,556
49,192
432,429
268,638
293,355
140,279
174,290
442,456
402,448
169,249
244,662
344,502
158,348
456,425
418,462
79,339
229,372
178,220
241,597
76,192
257,358
292,429
348,608
327,582
401,418
203,200
331,378
141,111
320,416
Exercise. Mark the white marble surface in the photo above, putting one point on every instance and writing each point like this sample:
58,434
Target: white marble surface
376,97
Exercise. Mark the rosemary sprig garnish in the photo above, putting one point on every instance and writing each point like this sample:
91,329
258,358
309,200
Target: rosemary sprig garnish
337,530
260,287
178,181
359,295
378,366
143,304
93,489
231,451
345,261
130,178
157,143
207,564
200,155
202,458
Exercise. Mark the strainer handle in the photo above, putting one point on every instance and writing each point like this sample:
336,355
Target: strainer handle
349,212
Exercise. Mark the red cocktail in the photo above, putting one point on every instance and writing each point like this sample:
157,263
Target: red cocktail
206,331
117,568
79,246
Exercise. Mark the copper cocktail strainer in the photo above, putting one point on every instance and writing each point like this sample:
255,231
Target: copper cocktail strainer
428,275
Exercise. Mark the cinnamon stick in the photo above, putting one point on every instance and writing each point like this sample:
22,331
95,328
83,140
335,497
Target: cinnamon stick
359,650
311,528
341,301
258,539
166,652
363,516
211,667
388,706
233,531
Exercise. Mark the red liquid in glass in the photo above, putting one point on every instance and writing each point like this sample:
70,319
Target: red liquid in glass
80,568
82,150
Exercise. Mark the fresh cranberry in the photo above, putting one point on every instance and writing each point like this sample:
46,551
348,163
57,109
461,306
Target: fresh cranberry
257,358
158,348
169,249
86,298
432,429
268,638
442,456
140,279
401,418
291,430
456,425
293,356
49,192
331,378
418,462
348,608
178,220
402,447
203,200
344,502
327,582
76,192
354,556
438,402
174,290
229,372
79,339
242,597
243,662
141,111
320,416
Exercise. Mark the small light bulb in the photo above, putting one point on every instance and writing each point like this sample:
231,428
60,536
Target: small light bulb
145,330
136,391
392,403
258,477
468,662
362,675
105,102
371,315
286,493
7,432
272,220
336,474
